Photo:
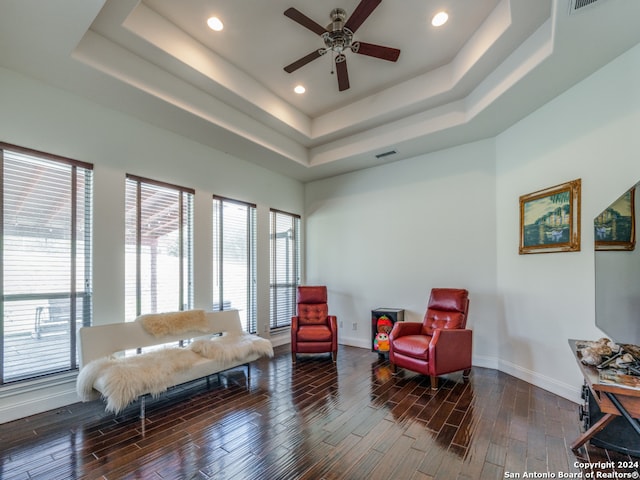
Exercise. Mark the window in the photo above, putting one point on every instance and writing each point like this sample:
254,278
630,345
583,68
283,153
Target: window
234,259
285,267
159,247
46,262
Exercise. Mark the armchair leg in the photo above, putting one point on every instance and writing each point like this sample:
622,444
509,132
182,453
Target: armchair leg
394,369
334,356
466,372
434,382
293,357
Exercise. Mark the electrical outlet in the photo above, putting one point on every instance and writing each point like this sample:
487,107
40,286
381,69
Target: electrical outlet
355,326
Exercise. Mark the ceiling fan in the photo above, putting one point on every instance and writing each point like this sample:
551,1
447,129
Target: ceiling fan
338,37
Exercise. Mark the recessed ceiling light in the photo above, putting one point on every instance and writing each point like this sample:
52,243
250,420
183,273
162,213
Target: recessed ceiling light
299,89
215,24
439,19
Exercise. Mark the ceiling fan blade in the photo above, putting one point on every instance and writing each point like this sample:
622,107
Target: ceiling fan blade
361,13
305,21
378,51
341,71
301,62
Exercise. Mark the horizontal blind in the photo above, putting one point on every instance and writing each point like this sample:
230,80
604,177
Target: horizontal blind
159,247
46,261
285,267
234,259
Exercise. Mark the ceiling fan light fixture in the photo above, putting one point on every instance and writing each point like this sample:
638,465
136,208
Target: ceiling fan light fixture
215,24
338,37
338,41
440,19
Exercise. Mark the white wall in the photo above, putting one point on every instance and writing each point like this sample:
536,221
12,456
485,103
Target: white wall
385,236
589,132
36,116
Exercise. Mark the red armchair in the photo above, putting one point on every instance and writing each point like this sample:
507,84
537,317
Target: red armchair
441,343
313,330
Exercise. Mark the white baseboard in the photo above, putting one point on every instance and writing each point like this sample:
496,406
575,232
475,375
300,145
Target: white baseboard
280,339
562,389
18,401
355,342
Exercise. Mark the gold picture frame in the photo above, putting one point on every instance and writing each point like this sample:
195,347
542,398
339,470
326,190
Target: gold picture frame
550,219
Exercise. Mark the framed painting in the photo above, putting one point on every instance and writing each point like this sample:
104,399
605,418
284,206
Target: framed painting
550,219
615,227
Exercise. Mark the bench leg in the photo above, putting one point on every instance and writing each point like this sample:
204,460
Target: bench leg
248,371
142,407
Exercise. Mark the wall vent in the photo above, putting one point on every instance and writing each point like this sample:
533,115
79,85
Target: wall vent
386,154
576,5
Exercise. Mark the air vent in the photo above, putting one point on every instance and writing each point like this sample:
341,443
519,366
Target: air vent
386,154
575,5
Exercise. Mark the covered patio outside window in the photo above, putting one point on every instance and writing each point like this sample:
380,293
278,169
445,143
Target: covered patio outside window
46,262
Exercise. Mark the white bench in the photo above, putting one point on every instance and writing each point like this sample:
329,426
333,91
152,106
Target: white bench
218,344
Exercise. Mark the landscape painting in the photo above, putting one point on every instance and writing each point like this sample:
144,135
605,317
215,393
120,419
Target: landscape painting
550,219
614,228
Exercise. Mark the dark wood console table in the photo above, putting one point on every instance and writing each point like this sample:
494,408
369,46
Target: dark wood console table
611,399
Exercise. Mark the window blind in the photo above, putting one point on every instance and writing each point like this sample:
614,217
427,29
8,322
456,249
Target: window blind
285,266
234,259
158,247
46,261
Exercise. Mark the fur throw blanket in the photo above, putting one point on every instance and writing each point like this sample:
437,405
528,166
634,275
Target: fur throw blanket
124,379
232,347
174,323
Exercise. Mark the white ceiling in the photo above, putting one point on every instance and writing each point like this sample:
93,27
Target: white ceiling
493,63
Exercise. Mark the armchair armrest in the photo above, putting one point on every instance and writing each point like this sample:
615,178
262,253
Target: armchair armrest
294,332
333,326
450,350
400,329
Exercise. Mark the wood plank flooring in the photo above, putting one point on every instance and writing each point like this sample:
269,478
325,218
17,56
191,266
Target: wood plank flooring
312,420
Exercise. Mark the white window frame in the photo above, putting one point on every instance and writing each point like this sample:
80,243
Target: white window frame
43,311
224,287
284,267
135,229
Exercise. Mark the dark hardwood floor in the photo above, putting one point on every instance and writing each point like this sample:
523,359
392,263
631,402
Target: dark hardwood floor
312,420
